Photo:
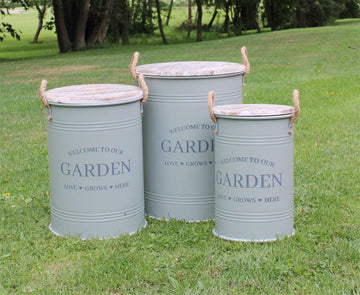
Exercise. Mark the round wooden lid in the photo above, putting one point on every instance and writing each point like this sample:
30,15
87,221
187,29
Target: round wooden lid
190,69
94,94
253,110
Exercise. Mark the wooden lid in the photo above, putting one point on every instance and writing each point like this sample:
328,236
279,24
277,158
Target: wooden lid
94,94
190,69
253,110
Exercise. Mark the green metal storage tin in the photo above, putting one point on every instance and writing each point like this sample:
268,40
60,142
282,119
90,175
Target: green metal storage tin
178,134
254,165
95,159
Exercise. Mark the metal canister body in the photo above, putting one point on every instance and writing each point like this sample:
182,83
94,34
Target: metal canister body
95,160
254,167
179,139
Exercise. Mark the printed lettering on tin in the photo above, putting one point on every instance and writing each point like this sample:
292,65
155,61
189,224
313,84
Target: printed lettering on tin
246,199
95,169
247,159
95,149
189,145
250,181
78,168
95,188
189,127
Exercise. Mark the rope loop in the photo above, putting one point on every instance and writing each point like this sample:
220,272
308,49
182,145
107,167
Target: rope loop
144,88
211,101
296,106
42,93
132,65
245,60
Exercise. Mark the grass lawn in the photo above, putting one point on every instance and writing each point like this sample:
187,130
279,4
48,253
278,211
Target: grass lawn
323,257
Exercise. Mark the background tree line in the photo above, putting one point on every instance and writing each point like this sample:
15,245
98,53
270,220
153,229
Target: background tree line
83,23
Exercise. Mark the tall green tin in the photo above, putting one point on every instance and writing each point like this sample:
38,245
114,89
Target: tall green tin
178,134
95,159
254,186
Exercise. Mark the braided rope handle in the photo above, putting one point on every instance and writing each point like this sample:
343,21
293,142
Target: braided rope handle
140,79
144,88
245,60
296,106
211,101
132,65
42,94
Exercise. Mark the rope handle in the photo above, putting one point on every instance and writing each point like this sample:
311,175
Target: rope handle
211,102
245,60
42,94
296,110
140,79
296,106
144,88
132,65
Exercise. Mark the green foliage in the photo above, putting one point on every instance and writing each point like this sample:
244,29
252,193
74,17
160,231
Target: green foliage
348,8
5,27
308,13
315,13
8,28
278,13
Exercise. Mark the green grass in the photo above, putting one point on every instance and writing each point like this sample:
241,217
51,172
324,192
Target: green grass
323,257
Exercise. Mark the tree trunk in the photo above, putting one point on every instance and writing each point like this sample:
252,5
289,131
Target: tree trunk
199,21
125,36
98,33
227,19
41,15
80,25
189,11
272,12
61,28
237,19
114,32
189,20
160,22
169,13
249,14
143,17
125,22
209,25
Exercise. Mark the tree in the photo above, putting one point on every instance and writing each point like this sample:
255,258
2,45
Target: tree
227,6
237,17
158,9
199,21
314,13
6,28
189,19
41,7
41,15
249,14
120,22
98,21
215,13
348,8
142,17
278,12
125,19
169,13
81,23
